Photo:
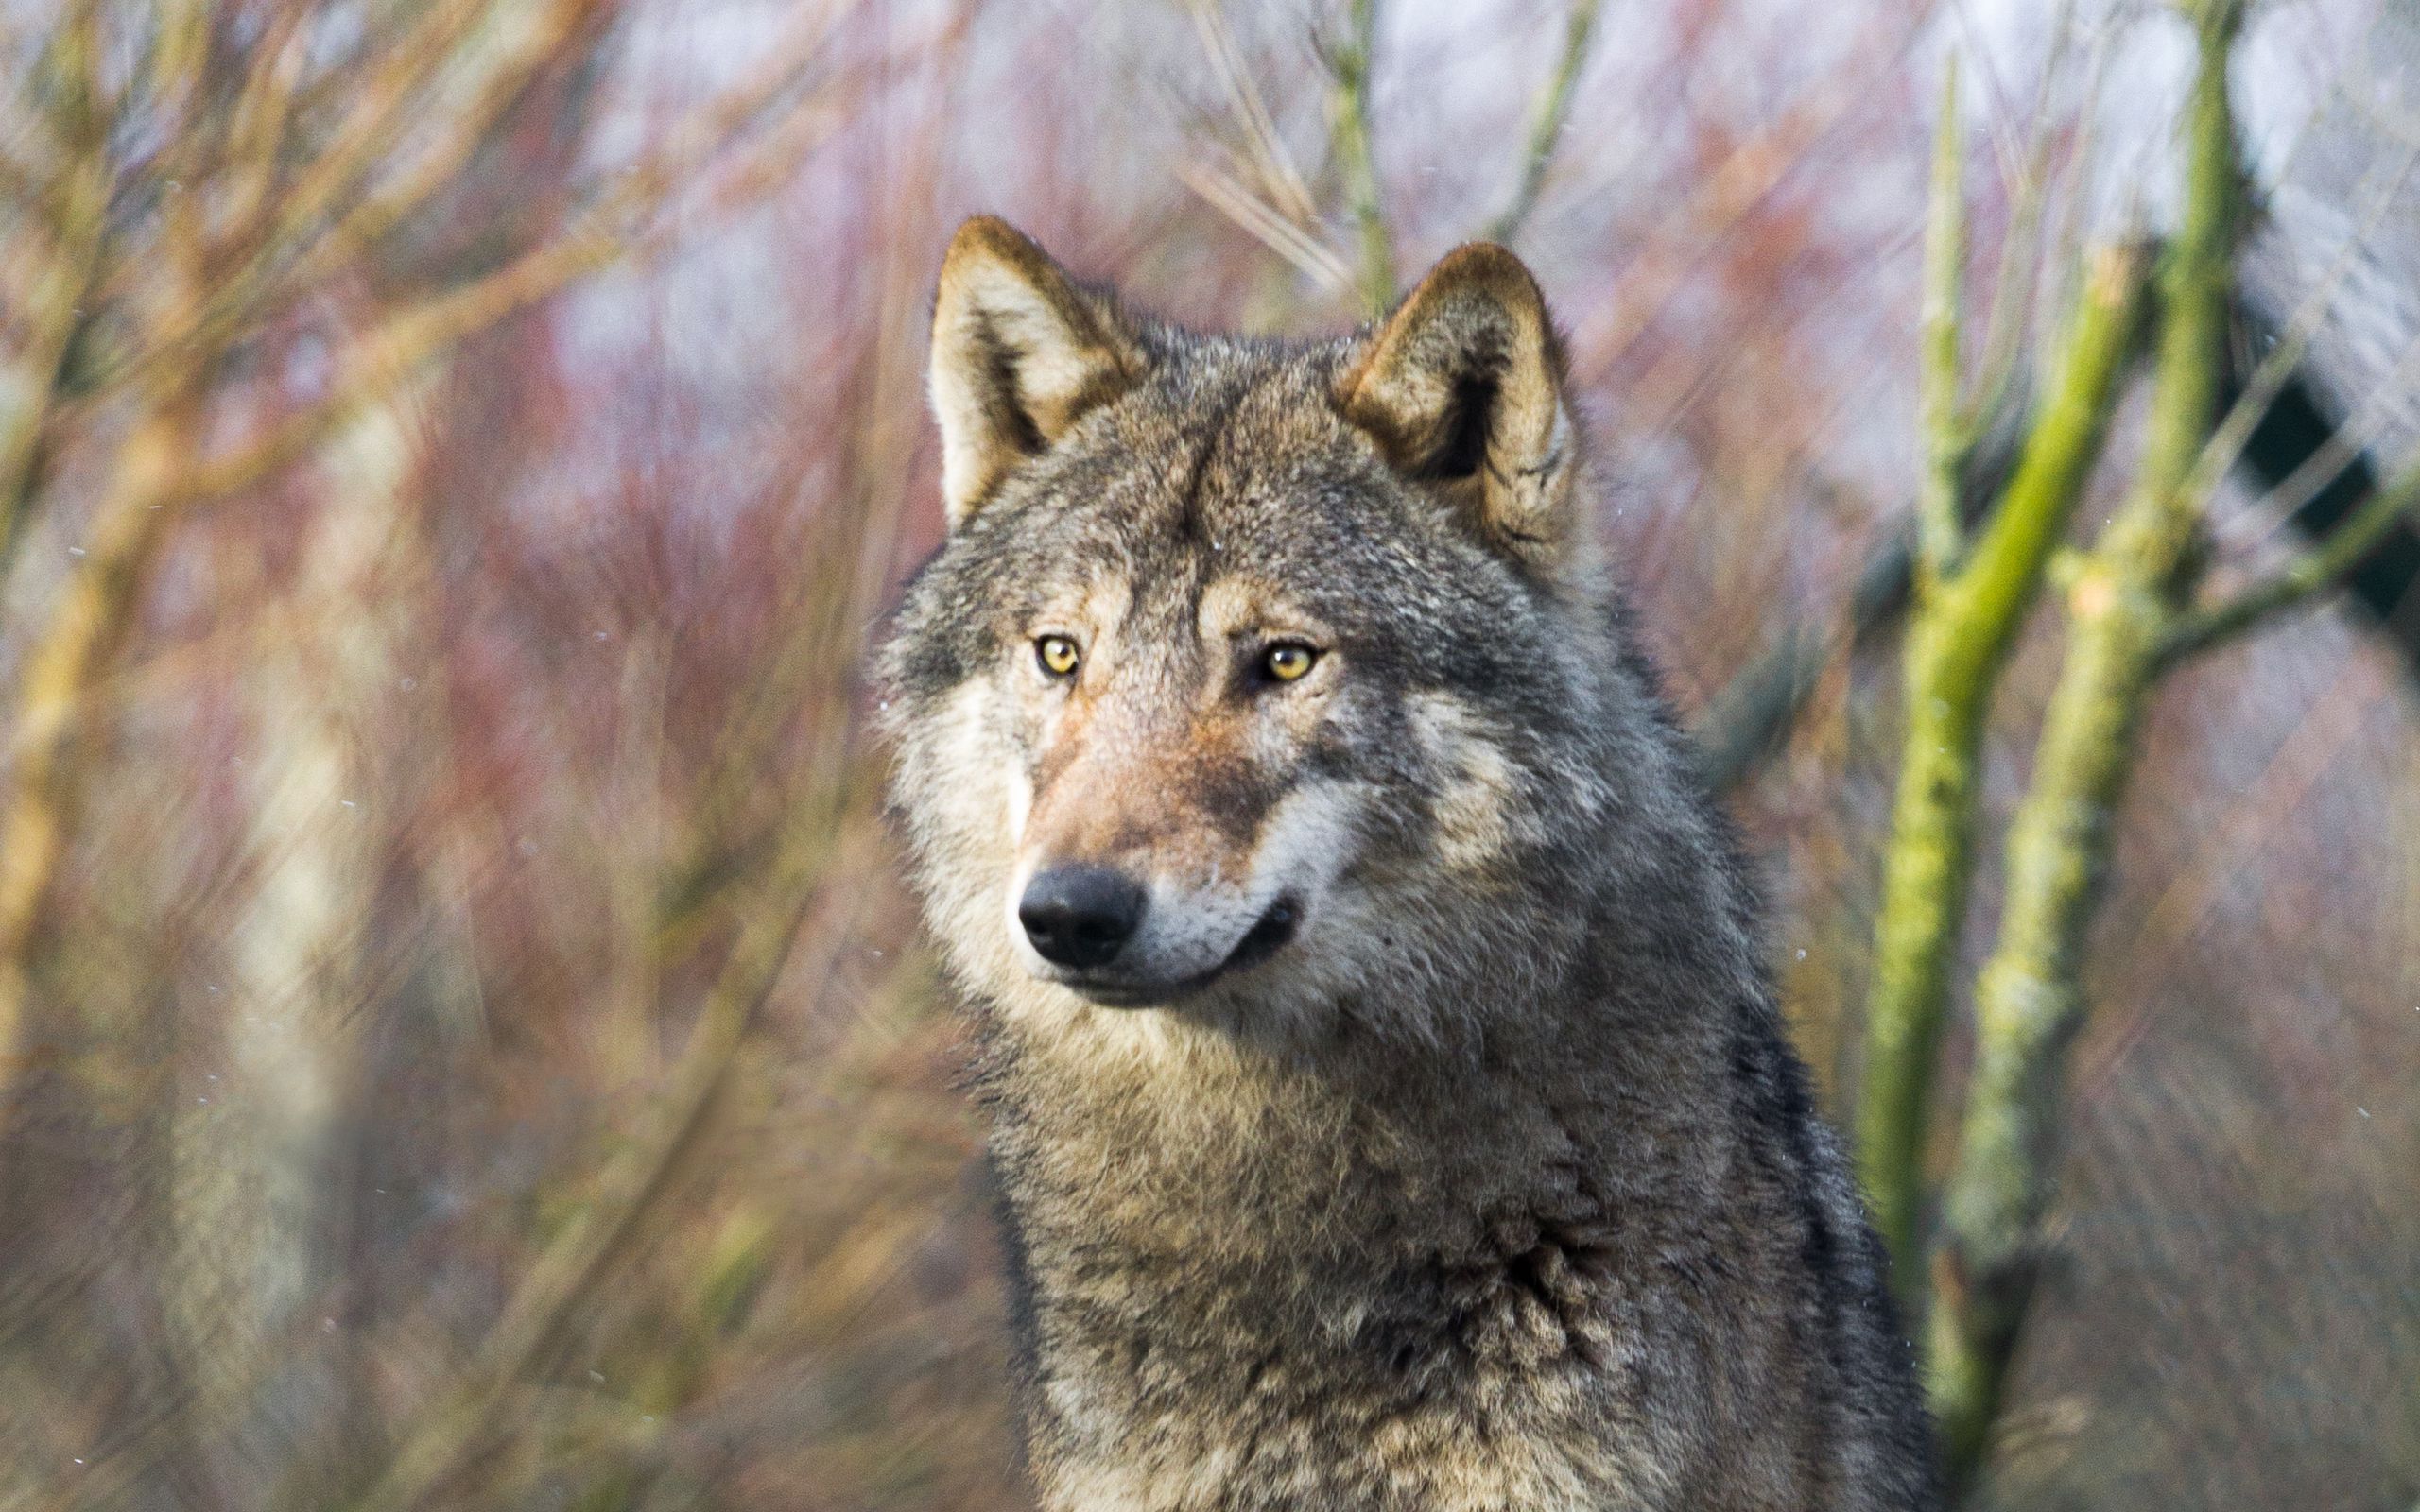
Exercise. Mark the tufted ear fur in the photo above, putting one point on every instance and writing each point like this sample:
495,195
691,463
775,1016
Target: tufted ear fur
1019,353
1462,389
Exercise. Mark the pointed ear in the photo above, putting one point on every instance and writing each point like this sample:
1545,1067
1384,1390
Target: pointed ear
1019,353
1461,388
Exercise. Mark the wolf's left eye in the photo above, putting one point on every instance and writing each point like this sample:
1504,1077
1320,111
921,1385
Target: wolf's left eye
1287,661
1057,655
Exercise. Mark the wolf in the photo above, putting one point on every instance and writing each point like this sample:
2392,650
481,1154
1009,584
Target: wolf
1388,1102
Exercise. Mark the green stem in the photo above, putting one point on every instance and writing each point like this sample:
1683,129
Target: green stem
1958,640
2028,999
1945,428
1358,163
1546,123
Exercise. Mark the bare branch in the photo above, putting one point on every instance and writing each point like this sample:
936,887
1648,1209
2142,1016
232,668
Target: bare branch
2277,365
2297,584
1941,420
1265,224
1350,134
629,1187
1273,165
1546,121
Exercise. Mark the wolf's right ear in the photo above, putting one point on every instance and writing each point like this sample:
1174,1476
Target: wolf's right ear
1020,353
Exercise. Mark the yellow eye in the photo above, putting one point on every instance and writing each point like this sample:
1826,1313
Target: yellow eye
1057,655
1287,662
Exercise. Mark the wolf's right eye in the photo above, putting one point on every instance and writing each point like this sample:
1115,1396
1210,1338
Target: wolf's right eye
1057,655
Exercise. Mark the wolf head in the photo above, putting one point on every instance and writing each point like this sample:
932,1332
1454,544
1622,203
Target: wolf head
1247,669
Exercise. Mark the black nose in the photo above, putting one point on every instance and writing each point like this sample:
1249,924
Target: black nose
1079,915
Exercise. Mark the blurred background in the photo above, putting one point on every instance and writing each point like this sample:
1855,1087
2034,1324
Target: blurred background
465,1040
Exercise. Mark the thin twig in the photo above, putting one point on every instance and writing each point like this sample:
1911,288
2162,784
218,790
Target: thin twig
1272,165
581,1256
1357,161
2303,578
2004,325
2344,447
2280,363
1264,224
1941,420
1546,121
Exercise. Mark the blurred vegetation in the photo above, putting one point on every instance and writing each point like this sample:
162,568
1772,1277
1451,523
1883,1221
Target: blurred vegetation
464,1044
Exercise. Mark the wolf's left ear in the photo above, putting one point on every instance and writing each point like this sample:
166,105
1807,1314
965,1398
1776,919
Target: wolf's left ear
1020,353
1461,388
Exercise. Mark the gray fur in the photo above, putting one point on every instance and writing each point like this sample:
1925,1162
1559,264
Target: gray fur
1498,1186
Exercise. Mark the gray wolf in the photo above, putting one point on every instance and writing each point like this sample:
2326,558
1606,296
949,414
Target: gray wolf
1390,1108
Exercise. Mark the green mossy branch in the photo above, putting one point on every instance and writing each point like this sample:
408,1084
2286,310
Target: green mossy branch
1358,163
1946,433
1966,619
2122,604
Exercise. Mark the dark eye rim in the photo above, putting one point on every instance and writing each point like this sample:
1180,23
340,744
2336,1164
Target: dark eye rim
1042,645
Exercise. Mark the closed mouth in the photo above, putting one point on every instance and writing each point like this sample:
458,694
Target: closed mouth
1269,934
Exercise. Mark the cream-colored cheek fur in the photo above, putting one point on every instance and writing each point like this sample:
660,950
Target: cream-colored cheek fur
1477,807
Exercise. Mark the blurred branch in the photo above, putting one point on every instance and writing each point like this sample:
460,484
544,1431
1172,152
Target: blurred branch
2280,363
1351,64
48,299
2122,603
1547,122
1939,418
2004,323
1265,225
1964,623
1751,715
571,1266
250,255
1722,201
1272,165
84,630
156,469
2300,581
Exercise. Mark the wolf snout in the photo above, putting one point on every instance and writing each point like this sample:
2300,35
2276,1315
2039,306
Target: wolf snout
1081,917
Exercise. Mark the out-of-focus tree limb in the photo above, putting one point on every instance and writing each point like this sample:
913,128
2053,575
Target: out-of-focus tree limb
1355,160
1546,122
1266,225
81,633
587,1248
1265,147
1940,418
46,300
2122,603
1963,625
1751,715
153,471
280,243
2303,579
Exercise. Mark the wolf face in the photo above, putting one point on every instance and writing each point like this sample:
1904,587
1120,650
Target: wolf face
1244,666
